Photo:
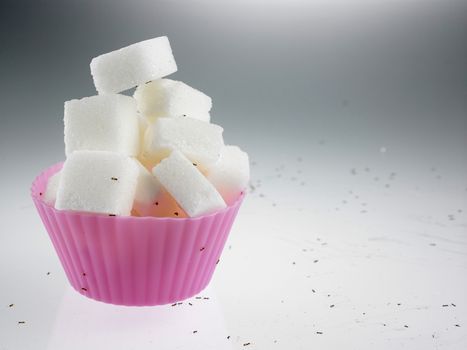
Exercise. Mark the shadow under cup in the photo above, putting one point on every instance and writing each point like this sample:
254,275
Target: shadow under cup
134,261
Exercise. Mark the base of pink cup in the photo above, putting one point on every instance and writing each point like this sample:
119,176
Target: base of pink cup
134,261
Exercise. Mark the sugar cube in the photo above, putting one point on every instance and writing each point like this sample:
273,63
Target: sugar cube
170,98
230,175
201,142
50,193
163,206
143,124
102,123
185,183
147,191
98,181
133,65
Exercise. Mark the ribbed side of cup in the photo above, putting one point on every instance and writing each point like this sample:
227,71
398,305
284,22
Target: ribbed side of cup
135,260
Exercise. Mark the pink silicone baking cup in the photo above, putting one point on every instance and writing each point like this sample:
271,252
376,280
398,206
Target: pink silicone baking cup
137,261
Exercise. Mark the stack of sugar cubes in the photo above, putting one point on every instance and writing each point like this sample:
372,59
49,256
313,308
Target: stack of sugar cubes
153,154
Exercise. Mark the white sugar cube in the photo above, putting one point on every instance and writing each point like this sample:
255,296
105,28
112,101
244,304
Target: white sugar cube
203,116
163,206
170,98
147,191
51,190
201,142
133,65
143,124
102,123
230,175
98,181
192,191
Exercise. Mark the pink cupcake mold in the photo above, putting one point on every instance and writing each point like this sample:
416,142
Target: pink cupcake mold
134,261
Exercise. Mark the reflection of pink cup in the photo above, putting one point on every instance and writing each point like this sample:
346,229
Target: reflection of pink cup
129,260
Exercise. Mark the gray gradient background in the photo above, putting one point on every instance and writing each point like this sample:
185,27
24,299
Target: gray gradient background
281,74
326,84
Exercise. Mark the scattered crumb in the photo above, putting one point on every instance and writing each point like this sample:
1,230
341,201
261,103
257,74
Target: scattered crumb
21,322
195,332
318,332
246,344
11,305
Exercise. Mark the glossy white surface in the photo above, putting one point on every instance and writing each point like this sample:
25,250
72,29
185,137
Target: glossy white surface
372,253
